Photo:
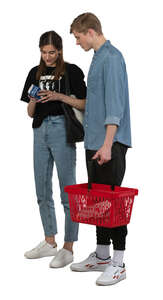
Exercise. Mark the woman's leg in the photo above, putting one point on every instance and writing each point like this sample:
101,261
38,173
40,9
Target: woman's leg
43,169
65,158
66,169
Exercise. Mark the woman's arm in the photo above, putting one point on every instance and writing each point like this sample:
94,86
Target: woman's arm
54,96
31,107
71,100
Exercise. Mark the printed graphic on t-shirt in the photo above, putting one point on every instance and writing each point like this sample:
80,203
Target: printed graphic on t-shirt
47,82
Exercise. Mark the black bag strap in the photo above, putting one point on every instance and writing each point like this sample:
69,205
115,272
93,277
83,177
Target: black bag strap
67,82
67,90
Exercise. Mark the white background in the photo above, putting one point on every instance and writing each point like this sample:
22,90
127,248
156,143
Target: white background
135,28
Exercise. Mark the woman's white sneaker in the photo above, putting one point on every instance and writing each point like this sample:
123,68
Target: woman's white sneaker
63,258
112,275
41,250
92,263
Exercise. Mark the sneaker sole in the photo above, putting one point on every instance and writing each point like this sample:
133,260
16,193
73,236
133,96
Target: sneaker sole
61,266
87,270
106,284
41,256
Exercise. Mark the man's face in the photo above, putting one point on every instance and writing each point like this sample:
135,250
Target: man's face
84,40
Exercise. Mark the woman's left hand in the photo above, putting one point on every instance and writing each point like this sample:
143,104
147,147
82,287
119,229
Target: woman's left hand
48,96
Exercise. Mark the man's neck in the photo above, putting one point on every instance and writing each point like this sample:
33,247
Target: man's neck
98,42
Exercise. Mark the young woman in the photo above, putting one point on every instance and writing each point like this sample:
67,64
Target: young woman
50,142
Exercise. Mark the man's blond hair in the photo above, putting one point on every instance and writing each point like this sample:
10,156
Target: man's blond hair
84,22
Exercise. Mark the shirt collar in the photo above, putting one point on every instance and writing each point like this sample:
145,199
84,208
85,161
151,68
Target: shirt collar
106,44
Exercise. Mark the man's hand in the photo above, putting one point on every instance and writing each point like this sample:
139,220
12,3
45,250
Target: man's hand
103,155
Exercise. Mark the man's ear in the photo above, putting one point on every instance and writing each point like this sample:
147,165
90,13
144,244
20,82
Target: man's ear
91,32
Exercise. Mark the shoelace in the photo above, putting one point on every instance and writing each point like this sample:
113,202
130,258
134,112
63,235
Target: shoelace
116,272
92,255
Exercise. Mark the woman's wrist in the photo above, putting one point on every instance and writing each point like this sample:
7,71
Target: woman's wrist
61,97
32,101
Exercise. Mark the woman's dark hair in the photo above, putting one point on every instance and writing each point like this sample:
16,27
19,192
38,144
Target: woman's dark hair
51,38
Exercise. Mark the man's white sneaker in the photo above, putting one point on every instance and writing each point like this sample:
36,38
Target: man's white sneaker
92,263
42,250
63,258
112,275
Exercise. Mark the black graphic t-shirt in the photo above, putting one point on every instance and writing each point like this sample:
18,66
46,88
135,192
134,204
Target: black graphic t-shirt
48,82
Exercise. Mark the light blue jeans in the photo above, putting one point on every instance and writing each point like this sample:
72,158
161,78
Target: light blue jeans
50,146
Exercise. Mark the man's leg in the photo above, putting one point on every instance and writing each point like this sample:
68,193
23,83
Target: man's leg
115,271
110,173
104,174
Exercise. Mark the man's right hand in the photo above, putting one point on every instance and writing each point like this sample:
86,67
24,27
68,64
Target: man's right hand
103,155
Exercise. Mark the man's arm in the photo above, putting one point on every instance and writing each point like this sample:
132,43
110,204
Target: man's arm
114,105
103,155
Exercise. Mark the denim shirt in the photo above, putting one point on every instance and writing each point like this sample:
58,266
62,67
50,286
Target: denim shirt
107,98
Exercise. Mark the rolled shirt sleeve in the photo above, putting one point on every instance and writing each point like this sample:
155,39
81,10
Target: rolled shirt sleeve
114,96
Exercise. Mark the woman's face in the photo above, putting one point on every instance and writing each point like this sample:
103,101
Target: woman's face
49,55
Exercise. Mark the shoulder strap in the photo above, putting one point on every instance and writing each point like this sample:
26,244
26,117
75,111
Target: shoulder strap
67,82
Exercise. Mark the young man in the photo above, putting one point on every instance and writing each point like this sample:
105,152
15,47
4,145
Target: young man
107,137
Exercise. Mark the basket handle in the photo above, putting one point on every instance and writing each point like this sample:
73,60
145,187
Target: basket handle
91,171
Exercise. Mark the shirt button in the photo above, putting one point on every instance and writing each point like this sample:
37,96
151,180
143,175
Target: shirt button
86,125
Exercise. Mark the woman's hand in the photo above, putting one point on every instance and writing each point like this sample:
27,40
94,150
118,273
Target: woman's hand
54,96
48,96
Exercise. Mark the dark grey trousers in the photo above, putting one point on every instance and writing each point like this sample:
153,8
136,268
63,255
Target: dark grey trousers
111,173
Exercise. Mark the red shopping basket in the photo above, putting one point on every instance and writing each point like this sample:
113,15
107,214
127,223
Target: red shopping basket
100,205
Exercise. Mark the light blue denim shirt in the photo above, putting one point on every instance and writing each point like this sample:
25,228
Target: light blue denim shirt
107,98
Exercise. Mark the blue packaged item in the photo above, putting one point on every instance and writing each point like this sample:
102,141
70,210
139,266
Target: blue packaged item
33,90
